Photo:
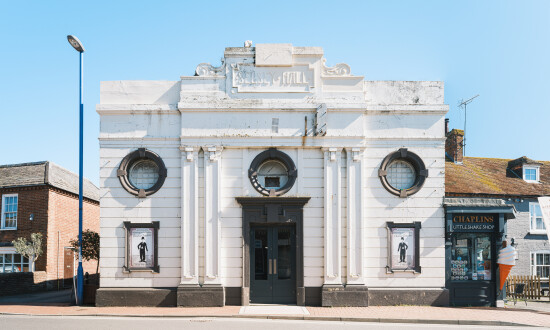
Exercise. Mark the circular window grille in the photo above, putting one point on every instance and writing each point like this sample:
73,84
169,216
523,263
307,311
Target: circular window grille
142,173
402,173
272,173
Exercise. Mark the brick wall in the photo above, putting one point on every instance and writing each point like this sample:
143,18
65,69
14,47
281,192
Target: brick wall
56,217
453,145
17,283
63,226
31,200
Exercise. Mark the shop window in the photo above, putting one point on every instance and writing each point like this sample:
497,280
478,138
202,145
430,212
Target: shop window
540,264
531,173
471,257
9,211
402,173
13,263
272,173
142,173
536,223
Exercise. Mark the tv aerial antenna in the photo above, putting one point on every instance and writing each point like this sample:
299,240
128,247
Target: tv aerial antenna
463,104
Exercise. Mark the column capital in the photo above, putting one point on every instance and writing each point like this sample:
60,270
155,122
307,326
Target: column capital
332,152
212,153
190,152
355,152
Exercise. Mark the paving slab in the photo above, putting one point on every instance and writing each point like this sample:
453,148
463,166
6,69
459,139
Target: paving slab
396,314
273,310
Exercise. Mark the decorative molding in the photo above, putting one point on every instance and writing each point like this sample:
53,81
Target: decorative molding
339,69
333,153
190,152
355,154
208,70
214,153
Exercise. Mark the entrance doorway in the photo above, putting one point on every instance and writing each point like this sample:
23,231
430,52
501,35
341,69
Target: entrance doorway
274,220
273,264
68,269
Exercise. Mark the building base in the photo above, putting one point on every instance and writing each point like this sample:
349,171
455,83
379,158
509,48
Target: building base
149,297
342,296
200,296
412,296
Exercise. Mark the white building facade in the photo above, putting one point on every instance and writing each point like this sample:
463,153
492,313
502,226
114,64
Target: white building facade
272,178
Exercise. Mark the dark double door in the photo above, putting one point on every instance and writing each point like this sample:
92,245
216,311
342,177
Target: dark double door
273,264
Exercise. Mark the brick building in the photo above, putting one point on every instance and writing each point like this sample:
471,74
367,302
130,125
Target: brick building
43,197
503,183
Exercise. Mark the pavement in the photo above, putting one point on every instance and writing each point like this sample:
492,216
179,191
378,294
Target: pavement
489,316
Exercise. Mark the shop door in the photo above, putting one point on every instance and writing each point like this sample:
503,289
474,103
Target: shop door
273,265
68,271
472,269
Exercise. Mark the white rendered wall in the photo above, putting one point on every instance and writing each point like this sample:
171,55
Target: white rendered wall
208,111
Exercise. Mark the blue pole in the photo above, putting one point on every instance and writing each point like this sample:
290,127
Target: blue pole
80,272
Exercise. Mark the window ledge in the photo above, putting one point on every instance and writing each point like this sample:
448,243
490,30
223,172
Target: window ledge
8,229
537,232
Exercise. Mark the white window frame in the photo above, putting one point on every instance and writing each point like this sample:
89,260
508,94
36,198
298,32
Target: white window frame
3,215
532,267
537,173
20,265
532,220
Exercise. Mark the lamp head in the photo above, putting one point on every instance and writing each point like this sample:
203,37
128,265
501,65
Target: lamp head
75,43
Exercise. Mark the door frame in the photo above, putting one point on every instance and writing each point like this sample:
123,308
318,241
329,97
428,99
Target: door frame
273,210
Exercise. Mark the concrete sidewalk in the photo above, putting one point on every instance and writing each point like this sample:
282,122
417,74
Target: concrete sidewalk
394,314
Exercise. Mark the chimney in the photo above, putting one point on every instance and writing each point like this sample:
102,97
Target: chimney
446,126
454,145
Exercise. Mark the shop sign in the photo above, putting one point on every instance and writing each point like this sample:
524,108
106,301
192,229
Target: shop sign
473,222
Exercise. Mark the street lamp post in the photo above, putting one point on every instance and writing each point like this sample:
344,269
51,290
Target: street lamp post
80,272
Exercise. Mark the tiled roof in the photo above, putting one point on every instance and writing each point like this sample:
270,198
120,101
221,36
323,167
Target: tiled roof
40,173
493,176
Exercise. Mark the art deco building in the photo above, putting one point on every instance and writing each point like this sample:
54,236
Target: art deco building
275,177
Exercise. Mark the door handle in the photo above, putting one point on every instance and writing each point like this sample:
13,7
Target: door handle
269,266
275,266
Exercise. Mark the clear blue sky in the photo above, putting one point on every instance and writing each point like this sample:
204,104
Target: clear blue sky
498,49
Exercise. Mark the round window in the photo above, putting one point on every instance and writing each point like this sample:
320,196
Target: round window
142,173
402,173
272,173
